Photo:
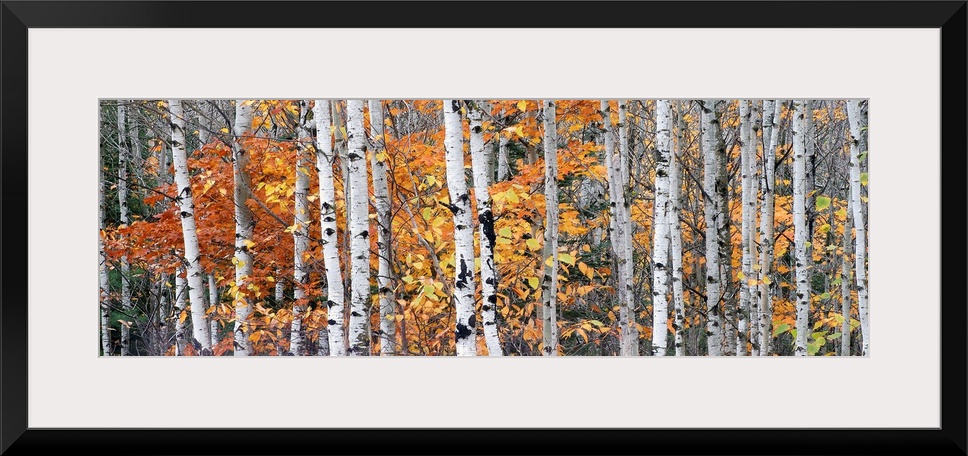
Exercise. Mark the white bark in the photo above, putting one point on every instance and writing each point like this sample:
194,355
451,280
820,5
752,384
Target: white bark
713,153
661,236
200,328
623,140
460,206
327,207
751,242
620,225
123,160
675,235
503,167
300,235
549,283
180,295
203,112
486,234
244,226
747,171
213,301
800,226
860,231
845,280
771,119
279,290
384,218
102,267
359,231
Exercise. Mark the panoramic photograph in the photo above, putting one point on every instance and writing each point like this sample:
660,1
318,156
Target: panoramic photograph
561,227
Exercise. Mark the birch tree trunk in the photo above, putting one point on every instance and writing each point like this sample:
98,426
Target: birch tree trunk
123,160
857,211
180,292
300,235
384,219
621,237
623,140
203,111
845,281
713,187
460,206
752,279
549,283
244,226
749,191
327,209
661,237
200,328
486,234
213,302
102,268
800,225
675,234
503,167
359,338
771,118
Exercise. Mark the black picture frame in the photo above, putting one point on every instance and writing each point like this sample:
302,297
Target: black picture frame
17,17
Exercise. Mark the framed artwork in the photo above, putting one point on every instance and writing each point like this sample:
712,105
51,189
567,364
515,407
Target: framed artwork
66,64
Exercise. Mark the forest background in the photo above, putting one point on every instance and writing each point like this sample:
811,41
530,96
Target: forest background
636,159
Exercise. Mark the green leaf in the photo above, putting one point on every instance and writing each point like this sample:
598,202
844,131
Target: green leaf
505,232
781,329
862,156
533,244
835,335
812,349
825,295
566,258
822,203
863,179
429,290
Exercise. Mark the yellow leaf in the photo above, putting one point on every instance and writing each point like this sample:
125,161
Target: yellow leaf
224,130
511,196
522,105
533,282
767,280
